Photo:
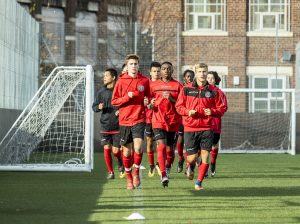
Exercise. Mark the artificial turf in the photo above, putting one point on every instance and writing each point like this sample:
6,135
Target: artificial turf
248,188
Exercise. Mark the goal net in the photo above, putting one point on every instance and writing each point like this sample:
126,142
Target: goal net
259,121
55,130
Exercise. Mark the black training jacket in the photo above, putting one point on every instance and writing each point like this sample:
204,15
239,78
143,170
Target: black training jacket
108,120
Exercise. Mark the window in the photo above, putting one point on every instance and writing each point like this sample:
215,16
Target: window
86,38
53,31
205,15
268,101
266,14
117,40
119,35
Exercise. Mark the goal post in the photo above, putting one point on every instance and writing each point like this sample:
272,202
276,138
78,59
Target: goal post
55,130
259,121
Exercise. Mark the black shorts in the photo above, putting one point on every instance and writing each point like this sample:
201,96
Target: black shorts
128,133
194,141
181,130
112,139
149,130
216,138
162,134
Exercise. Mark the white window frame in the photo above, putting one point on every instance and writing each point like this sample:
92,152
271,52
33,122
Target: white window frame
261,30
270,96
212,29
261,24
269,72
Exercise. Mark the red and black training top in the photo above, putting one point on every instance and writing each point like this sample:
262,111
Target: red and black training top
164,114
217,121
131,110
194,97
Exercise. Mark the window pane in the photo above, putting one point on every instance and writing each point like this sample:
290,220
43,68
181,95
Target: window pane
262,2
199,8
261,95
276,1
269,21
256,23
263,8
53,30
190,22
86,38
276,105
218,25
276,85
261,106
275,8
261,83
281,22
211,8
255,8
204,22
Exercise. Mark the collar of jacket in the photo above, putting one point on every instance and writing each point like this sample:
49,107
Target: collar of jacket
195,84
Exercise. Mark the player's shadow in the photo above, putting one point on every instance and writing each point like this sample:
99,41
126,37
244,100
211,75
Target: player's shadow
259,175
248,192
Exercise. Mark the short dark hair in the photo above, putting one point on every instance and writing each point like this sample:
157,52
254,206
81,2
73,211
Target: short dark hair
167,62
113,72
155,64
216,76
189,71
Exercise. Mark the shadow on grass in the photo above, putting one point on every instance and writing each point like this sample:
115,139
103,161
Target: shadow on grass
248,192
50,197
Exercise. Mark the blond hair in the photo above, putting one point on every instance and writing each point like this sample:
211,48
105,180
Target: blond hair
200,65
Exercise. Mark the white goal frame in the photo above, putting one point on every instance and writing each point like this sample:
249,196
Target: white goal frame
289,148
31,113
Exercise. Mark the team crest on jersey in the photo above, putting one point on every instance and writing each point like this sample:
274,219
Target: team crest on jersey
208,94
141,88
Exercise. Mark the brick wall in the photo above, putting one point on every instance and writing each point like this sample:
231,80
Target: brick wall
237,50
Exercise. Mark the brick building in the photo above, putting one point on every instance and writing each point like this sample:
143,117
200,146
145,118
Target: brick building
250,43
81,32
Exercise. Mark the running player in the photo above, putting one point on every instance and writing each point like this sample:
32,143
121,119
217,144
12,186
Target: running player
188,76
131,89
165,119
109,122
154,75
214,80
198,103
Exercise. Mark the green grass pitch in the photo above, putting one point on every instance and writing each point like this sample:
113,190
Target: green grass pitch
256,188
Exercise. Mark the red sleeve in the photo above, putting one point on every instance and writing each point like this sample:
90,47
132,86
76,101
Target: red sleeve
221,105
180,104
117,97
